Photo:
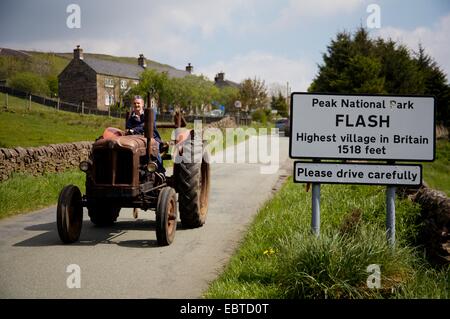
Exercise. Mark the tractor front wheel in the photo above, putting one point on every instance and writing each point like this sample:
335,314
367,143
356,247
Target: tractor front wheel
166,216
69,214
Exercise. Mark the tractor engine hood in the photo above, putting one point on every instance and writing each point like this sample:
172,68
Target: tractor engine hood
135,143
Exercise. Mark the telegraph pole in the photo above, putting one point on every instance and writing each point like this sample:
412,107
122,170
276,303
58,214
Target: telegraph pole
287,97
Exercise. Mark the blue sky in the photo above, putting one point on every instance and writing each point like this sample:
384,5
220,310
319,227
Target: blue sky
277,41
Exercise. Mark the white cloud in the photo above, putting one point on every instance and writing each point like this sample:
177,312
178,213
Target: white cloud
435,40
205,15
296,9
170,30
267,67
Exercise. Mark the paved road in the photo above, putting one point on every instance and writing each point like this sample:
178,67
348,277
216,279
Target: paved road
123,261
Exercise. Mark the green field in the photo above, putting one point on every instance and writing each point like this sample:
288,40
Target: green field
44,125
279,258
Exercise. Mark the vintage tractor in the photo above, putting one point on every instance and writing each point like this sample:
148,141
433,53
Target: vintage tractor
122,172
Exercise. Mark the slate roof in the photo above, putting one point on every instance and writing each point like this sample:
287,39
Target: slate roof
127,70
224,83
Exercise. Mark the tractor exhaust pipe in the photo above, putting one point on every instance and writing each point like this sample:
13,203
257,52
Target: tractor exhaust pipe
149,119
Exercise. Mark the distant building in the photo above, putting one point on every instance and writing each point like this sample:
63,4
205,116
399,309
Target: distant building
101,83
220,82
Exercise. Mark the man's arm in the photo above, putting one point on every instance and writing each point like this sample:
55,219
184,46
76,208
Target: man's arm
139,129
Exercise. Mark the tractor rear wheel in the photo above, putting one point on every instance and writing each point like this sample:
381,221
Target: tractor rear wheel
192,175
69,214
166,216
103,214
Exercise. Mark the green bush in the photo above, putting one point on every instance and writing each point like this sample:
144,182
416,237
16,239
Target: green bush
29,82
259,116
52,83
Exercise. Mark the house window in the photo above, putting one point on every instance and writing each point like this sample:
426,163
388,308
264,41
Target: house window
109,83
109,99
123,84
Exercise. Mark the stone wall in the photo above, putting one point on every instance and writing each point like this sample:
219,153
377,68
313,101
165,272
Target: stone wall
39,160
435,229
56,157
226,122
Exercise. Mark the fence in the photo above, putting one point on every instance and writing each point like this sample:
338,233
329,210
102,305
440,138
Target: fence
58,104
79,108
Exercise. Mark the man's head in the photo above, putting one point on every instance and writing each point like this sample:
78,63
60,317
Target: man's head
138,104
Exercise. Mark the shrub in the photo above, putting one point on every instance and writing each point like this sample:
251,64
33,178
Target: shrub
259,116
29,82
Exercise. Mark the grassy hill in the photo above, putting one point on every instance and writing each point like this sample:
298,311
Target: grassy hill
43,125
48,65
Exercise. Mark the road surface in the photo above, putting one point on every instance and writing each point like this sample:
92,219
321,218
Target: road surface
123,261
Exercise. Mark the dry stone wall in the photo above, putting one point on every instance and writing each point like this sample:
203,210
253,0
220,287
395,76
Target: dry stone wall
435,215
226,122
39,160
56,157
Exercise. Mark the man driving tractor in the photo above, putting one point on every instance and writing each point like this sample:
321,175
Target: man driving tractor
135,125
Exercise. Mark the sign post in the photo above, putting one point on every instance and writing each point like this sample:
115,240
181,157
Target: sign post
390,215
364,128
238,105
315,220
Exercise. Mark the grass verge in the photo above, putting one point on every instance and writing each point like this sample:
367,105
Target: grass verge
279,258
437,173
23,192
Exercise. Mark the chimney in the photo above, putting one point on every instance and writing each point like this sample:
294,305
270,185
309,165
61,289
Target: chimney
78,53
141,61
189,68
220,77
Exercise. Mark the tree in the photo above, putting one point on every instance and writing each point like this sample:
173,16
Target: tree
29,82
435,82
190,92
52,83
402,76
253,94
226,96
158,84
279,103
358,64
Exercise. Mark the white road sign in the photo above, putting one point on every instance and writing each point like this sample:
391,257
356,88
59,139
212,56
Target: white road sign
237,104
355,173
375,127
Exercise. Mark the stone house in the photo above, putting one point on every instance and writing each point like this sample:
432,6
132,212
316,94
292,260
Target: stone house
102,83
220,82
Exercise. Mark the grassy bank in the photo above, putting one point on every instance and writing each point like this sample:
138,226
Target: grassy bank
280,259
437,173
23,193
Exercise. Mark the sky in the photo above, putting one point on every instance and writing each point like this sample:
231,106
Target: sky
278,41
